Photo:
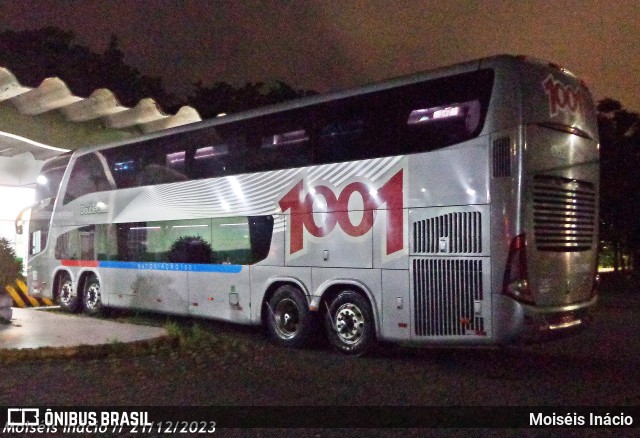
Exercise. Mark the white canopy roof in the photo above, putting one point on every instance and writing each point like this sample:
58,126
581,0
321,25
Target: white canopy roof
53,95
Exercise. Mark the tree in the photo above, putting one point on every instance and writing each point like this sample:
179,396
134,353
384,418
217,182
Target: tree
34,55
224,98
191,249
619,180
10,267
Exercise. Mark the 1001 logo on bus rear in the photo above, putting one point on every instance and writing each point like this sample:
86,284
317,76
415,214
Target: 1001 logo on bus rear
562,97
386,199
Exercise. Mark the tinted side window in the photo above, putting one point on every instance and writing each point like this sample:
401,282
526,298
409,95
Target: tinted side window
78,244
187,241
236,240
50,177
158,161
402,120
354,129
280,141
90,174
341,140
218,151
442,112
161,163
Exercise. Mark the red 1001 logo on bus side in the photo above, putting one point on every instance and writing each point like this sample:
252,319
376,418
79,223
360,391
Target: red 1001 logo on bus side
562,98
299,202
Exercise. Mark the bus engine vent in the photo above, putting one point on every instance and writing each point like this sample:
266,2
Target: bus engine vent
447,295
564,214
451,233
501,157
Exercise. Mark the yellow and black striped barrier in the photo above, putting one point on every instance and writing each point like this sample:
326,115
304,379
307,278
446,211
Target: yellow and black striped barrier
21,298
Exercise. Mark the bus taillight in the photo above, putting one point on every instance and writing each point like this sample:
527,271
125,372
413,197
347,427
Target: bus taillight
516,276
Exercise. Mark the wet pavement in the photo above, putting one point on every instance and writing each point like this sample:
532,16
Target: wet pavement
36,327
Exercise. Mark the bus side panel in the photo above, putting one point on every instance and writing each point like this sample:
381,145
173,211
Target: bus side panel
335,249
396,305
221,295
146,289
457,175
505,106
506,223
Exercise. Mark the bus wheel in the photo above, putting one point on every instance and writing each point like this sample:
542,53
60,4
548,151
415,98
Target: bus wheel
349,324
289,320
91,297
67,298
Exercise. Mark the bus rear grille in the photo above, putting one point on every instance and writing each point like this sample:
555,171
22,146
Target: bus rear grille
564,214
445,293
452,233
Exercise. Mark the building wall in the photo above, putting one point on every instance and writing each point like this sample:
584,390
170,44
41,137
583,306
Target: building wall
13,200
19,170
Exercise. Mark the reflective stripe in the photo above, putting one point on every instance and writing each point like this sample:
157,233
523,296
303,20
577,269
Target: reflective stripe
156,266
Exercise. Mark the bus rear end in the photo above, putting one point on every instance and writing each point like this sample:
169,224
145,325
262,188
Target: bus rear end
551,266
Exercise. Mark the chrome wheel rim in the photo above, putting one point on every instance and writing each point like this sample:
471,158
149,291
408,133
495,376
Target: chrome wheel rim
287,318
349,323
66,293
92,300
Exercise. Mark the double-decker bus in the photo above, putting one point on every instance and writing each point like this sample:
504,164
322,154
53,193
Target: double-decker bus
456,206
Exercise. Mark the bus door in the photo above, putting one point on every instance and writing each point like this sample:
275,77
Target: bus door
87,243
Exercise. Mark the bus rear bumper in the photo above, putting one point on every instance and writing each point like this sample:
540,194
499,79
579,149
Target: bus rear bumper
533,323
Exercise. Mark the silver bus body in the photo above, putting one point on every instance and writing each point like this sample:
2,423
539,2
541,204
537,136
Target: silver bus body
487,240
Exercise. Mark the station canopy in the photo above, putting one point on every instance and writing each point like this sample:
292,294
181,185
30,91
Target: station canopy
42,122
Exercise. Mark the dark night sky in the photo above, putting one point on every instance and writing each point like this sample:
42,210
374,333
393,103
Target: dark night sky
326,44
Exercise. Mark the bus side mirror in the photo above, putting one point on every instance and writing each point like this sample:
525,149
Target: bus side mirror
18,229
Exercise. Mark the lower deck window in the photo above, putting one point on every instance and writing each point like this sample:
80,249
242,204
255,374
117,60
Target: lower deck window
240,240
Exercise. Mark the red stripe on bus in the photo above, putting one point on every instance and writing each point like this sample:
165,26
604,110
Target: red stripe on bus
80,263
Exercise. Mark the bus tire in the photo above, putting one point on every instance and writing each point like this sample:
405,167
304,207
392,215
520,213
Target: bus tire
66,297
91,296
350,325
289,321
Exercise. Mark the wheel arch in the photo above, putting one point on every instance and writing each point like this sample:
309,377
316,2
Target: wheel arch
331,289
83,276
57,276
78,280
270,288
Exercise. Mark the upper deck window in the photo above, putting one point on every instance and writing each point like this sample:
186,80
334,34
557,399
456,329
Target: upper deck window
48,182
405,119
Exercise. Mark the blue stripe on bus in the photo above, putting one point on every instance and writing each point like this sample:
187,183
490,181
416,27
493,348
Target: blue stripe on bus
161,266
